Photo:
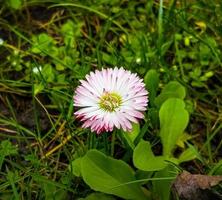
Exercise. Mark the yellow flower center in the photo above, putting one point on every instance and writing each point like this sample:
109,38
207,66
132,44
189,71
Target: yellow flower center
110,101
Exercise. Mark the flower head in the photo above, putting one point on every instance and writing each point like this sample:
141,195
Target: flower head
110,98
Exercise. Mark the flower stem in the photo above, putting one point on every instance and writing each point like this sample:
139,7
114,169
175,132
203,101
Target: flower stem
113,142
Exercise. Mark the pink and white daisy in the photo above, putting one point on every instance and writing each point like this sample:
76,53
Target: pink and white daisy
110,98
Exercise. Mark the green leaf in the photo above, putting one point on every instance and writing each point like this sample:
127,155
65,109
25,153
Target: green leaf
172,90
111,176
12,176
151,80
153,115
189,154
38,88
144,159
131,136
15,4
183,139
173,121
60,67
97,195
48,73
53,192
49,190
217,169
56,187
6,149
33,159
166,46
162,187
70,31
76,167
42,42
143,175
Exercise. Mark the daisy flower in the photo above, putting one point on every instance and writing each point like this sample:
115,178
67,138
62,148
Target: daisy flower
110,98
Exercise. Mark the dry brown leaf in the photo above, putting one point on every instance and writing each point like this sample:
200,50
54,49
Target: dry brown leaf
194,186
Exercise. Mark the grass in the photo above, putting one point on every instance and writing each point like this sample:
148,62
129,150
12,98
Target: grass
64,42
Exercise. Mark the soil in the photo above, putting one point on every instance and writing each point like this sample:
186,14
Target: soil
22,111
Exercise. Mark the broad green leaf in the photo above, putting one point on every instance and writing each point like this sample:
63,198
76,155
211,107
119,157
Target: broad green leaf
97,195
172,90
162,187
111,176
189,154
76,167
173,121
144,159
130,136
143,175
151,80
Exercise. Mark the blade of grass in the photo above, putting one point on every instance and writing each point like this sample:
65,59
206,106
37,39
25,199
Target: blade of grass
160,24
11,177
16,125
91,10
